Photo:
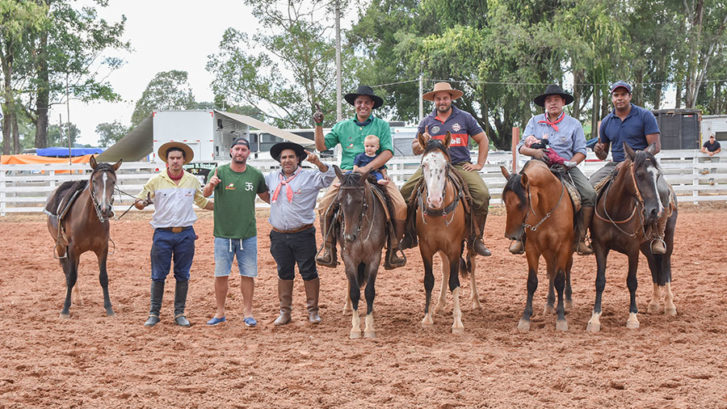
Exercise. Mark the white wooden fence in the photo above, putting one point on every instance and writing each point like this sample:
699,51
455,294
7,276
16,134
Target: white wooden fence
24,188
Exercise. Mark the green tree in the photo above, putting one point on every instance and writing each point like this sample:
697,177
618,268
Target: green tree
110,132
58,135
168,90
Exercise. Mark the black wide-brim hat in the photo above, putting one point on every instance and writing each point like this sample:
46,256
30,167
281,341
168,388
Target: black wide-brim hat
364,90
278,148
553,89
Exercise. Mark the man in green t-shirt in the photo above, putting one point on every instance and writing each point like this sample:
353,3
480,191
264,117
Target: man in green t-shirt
235,187
350,133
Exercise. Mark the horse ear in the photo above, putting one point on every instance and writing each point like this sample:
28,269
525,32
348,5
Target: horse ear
629,152
447,139
92,162
117,165
365,176
505,172
339,174
651,149
420,139
524,180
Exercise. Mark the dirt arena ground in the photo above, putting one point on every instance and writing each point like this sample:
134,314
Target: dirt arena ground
94,361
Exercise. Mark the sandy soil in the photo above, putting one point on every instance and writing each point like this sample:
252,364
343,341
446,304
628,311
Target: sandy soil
91,360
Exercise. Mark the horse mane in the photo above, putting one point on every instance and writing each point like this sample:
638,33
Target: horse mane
436,144
643,156
351,179
103,166
513,185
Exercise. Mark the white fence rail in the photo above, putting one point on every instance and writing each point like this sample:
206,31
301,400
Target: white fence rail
24,188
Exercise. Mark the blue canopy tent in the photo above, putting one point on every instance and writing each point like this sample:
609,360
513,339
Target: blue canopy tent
59,152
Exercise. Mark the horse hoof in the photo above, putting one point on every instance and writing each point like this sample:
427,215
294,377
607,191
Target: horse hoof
355,334
653,308
549,309
476,305
370,334
65,315
671,310
632,323
593,327
427,322
561,325
110,313
457,330
523,326
439,310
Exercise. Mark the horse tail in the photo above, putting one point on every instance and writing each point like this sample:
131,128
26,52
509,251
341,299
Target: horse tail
465,263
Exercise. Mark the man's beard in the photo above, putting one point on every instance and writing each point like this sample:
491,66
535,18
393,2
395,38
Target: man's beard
239,162
442,108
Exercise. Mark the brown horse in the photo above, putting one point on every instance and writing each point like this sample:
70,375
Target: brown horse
362,235
538,205
80,223
626,217
442,229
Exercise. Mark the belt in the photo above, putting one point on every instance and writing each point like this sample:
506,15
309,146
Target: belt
175,229
299,229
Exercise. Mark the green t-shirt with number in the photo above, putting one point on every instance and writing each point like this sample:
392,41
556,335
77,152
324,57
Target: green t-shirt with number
235,202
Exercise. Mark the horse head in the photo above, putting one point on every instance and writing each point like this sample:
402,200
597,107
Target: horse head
102,184
646,173
516,203
435,162
352,199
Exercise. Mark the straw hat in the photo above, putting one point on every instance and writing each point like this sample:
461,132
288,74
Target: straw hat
188,152
442,87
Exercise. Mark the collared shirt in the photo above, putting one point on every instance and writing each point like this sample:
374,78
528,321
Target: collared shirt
173,202
566,142
460,124
632,130
351,137
286,215
711,147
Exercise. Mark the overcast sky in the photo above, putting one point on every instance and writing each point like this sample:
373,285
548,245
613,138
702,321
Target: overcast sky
165,35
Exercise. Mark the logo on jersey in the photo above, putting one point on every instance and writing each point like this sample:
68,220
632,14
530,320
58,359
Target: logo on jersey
456,127
435,129
231,186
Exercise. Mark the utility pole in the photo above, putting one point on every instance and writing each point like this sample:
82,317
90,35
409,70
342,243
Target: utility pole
68,122
421,101
339,111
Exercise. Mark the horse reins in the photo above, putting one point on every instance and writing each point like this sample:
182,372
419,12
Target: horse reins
639,202
96,204
364,212
547,215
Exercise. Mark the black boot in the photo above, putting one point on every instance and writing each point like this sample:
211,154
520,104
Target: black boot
180,300
329,257
479,245
392,259
410,230
157,292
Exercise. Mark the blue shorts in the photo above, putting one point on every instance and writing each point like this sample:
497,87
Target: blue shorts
244,249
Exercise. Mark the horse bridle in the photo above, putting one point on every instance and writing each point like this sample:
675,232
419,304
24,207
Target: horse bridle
96,204
547,215
364,212
639,203
449,209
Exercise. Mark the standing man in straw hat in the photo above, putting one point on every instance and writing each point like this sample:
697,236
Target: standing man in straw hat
462,126
173,191
350,133
293,236
235,186
565,138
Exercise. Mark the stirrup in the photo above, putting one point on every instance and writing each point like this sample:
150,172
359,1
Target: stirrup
658,241
393,261
329,261
583,249
516,247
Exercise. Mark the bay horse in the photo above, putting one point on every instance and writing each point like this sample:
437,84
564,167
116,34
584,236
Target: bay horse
441,226
79,222
626,216
362,234
539,207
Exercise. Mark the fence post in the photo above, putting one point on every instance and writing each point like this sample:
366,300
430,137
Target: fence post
3,173
513,145
695,178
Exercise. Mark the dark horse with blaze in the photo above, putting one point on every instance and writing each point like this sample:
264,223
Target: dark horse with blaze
441,227
626,219
361,232
538,206
78,220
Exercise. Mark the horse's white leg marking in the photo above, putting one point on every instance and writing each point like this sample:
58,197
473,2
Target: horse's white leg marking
457,327
369,331
347,304
442,303
632,322
355,325
670,308
655,303
104,177
561,325
523,325
654,176
475,297
594,324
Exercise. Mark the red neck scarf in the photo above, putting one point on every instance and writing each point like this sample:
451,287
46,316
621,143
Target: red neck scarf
175,178
555,123
288,189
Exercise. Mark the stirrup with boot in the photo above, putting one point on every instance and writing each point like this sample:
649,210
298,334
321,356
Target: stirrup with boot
392,259
156,294
329,257
312,288
479,244
516,247
658,245
285,294
180,301
582,248
410,234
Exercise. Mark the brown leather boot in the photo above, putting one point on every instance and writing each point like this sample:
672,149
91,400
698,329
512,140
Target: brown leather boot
312,288
285,294
582,248
392,259
516,247
479,245
329,257
658,245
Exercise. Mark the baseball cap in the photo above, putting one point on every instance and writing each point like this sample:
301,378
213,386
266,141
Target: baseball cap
620,84
240,141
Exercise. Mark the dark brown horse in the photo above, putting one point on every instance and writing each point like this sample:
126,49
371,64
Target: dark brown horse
442,229
538,205
626,217
79,222
361,234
